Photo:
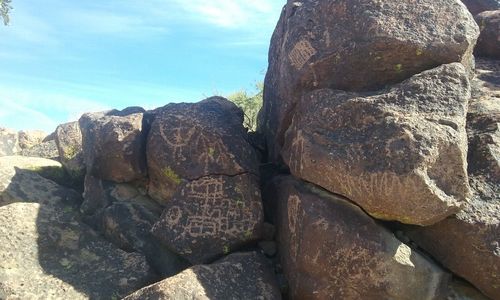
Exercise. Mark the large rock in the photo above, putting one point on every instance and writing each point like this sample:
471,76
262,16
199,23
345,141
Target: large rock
68,138
488,44
188,141
9,142
30,138
478,6
212,216
330,249
398,153
356,45
114,144
43,150
469,242
47,252
238,276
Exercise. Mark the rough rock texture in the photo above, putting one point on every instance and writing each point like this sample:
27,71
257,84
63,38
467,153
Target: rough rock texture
478,6
44,150
125,215
356,45
330,249
47,252
488,44
399,153
212,216
114,144
461,290
189,141
469,243
9,142
238,276
30,138
68,138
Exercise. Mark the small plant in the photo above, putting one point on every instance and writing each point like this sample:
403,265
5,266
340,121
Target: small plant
170,174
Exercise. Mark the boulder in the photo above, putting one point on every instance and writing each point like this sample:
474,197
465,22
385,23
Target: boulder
399,153
469,243
9,142
47,252
211,217
356,45
238,276
188,141
44,150
30,138
478,6
331,249
488,44
461,290
114,144
68,138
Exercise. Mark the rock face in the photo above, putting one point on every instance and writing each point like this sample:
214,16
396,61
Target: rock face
469,243
68,138
47,252
43,150
31,138
330,249
212,216
478,6
9,142
114,144
189,141
488,44
238,276
357,45
399,153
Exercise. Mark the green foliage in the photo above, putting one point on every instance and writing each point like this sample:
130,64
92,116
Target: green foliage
250,103
4,10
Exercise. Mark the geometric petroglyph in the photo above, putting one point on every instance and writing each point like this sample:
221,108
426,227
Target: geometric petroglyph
301,53
178,138
214,214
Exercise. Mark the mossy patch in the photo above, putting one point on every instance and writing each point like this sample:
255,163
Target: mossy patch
398,68
170,174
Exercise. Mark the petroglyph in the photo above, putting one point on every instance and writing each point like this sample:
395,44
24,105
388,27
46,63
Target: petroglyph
213,151
296,160
293,223
301,53
178,138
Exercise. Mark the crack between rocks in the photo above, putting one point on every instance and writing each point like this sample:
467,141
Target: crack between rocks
225,175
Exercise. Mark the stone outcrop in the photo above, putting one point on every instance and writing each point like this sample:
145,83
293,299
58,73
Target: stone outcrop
488,44
211,217
9,142
44,150
469,242
114,144
398,153
30,138
68,138
330,249
47,252
357,45
238,276
190,141
478,6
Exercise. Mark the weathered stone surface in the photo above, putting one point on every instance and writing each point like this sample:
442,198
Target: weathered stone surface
47,252
30,138
114,144
44,150
478,6
212,216
68,138
238,276
330,249
469,242
356,45
9,142
192,140
488,44
399,153
461,290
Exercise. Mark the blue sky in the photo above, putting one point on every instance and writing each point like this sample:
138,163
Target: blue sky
60,58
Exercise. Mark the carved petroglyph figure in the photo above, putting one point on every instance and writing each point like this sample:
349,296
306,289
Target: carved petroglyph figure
213,151
297,153
178,138
293,223
301,53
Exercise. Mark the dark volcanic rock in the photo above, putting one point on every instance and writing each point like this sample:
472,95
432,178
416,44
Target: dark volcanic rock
469,243
330,249
47,252
68,138
189,141
211,217
238,276
114,144
357,45
478,6
488,44
399,153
